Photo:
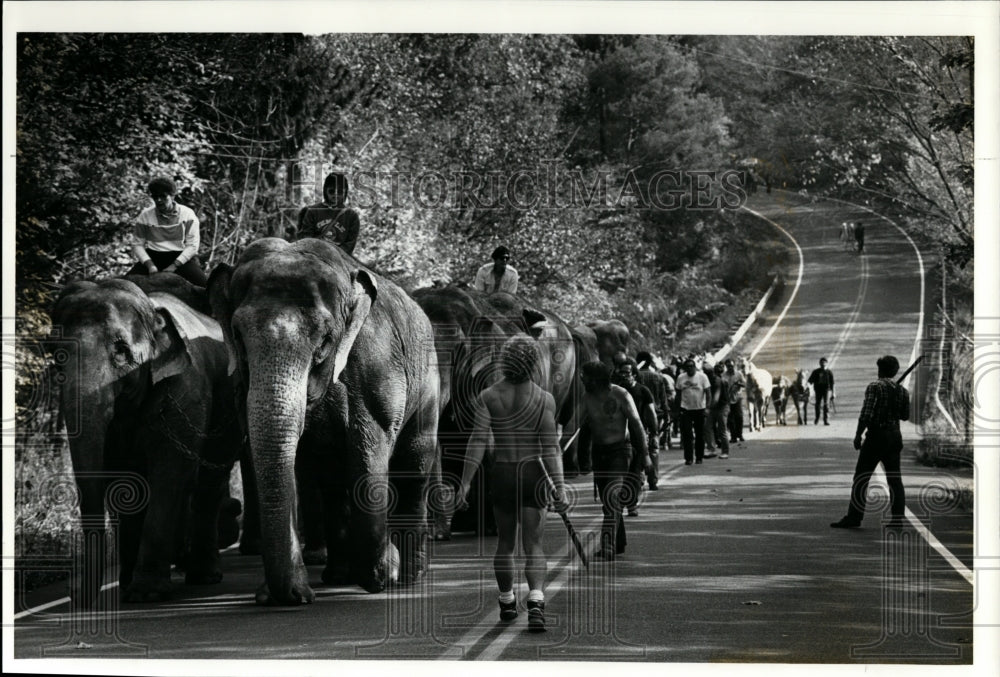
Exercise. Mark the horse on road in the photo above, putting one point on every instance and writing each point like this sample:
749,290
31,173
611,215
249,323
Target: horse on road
799,392
759,383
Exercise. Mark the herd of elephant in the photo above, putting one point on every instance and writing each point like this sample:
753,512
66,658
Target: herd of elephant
347,401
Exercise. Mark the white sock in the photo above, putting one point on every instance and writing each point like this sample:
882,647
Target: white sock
507,597
536,596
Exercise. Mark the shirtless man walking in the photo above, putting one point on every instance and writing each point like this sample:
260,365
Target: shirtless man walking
610,425
521,417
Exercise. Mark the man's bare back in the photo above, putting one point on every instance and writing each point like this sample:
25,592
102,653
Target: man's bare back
522,419
609,414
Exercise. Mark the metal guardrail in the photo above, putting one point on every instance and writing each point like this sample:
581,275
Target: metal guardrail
747,323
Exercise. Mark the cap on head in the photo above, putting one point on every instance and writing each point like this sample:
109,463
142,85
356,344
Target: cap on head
822,360
162,185
888,366
500,252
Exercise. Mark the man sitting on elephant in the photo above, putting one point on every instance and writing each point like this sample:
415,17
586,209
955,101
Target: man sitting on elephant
166,236
521,417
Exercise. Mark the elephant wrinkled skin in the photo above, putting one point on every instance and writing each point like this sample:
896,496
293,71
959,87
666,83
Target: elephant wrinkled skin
337,371
146,389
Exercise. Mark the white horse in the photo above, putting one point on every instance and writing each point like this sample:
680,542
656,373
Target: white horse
759,383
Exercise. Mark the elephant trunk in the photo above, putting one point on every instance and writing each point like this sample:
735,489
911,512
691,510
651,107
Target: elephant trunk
276,406
88,415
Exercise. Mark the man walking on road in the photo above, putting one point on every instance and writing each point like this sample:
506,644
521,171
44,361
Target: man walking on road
859,236
610,424
626,377
693,390
822,382
886,404
521,417
737,387
718,413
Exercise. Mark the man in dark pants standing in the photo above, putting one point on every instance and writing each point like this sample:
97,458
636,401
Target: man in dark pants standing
609,414
693,390
625,376
822,382
886,404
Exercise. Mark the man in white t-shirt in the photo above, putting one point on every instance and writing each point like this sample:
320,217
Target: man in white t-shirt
166,236
693,391
497,276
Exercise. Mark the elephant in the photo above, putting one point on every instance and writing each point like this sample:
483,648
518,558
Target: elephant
337,370
470,329
149,410
612,337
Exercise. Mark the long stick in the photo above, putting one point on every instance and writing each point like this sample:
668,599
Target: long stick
565,518
909,369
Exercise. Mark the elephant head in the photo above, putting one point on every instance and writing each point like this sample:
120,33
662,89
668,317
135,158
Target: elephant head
113,346
612,337
332,361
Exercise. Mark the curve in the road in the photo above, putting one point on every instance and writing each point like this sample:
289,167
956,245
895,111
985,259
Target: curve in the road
795,290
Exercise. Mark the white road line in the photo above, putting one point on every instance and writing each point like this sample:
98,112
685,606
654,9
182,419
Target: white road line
855,313
932,540
795,290
55,602
495,648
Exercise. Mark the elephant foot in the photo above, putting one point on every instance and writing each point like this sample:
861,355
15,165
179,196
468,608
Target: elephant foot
384,572
293,595
148,590
209,576
314,556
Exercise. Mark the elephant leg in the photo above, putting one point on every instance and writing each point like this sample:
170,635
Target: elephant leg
307,480
370,559
336,527
171,479
211,488
410,471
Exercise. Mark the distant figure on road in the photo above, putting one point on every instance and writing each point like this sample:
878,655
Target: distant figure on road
693,389
521,417
497,276
859,236
331,220
737,396
822,382
610,424
886,404
718,411
847,235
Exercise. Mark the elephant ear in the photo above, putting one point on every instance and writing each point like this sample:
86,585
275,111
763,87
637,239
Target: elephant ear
362,295
222,308
176,327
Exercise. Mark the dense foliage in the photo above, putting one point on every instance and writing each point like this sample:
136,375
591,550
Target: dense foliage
551,144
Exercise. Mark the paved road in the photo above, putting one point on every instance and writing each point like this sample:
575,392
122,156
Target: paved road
730,561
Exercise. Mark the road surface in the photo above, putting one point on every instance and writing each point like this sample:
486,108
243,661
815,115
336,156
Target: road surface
730,561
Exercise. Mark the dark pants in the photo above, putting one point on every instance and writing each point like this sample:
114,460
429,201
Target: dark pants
190,271
860,239
736,421
611,465
880,446
822,398
693,433
635,473
719,418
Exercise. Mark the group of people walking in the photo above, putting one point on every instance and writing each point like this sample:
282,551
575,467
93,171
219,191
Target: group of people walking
630,409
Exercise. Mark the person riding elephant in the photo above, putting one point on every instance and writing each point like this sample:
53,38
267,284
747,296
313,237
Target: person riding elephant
340,371
470,330
149,410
